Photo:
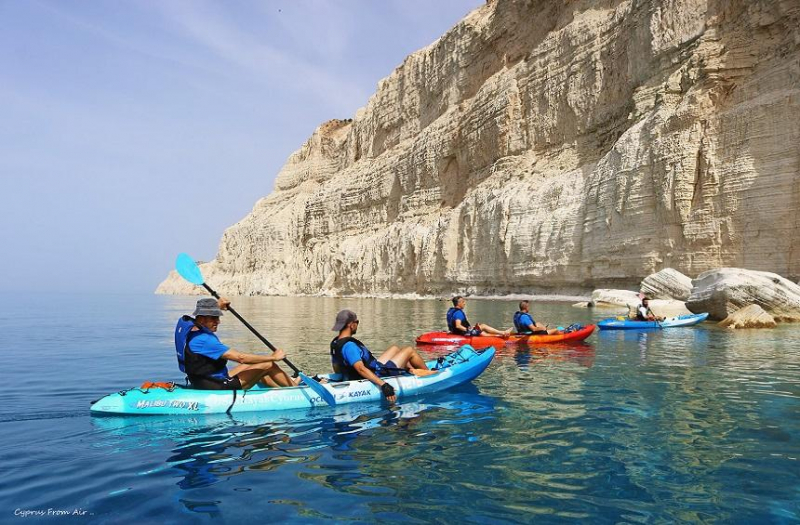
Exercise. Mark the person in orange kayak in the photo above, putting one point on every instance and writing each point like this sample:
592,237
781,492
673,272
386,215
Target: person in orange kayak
525,325
351,358
204,358
457,322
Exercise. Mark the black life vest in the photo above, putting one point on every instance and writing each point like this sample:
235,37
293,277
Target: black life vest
195,365
340,365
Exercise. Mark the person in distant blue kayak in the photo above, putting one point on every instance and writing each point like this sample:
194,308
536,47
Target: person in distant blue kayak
351,358
644,313
525,325
204,358
457,322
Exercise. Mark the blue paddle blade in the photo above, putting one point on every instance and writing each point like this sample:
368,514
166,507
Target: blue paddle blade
319,389
188,269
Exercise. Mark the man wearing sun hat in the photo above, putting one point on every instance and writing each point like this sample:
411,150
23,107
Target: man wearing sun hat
204,358
351,358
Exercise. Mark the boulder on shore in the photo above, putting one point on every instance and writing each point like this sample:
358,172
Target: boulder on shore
584,304
624,298
668,308
752,316
724,291
667,284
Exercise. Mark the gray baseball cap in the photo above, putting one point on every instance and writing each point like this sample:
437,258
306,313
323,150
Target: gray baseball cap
343,318
207,306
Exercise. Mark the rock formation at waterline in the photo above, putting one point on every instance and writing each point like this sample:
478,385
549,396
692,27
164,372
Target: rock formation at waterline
542,145
752,316
626,298
724,291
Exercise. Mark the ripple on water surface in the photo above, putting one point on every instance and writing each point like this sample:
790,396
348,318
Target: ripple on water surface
694,424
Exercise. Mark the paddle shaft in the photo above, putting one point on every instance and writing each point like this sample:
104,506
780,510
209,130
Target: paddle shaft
250,327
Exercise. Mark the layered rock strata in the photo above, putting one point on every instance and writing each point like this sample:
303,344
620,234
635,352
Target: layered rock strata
752,316
667,284
724,291
546,145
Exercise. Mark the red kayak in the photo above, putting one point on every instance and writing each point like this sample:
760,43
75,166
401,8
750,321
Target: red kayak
484,341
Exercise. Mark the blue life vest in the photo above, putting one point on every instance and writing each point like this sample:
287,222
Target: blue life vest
452,315
341,366
522,328
192,364
183,331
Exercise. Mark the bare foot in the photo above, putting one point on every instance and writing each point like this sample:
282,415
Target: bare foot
420,372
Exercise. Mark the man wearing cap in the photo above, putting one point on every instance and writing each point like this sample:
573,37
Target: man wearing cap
204,358
351,358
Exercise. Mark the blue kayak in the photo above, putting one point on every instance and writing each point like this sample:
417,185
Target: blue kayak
461,366
622,323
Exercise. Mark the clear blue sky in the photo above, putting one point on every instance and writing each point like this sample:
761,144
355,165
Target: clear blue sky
131,131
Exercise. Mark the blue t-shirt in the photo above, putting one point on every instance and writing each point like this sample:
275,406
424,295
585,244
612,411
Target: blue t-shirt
525,320
456,314
207,344
351,353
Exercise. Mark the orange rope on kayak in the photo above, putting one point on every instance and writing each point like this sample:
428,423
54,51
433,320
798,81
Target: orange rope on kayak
147,385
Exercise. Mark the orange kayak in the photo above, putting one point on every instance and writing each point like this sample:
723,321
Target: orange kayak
484,341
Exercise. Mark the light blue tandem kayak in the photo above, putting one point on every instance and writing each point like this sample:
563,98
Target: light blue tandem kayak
615,323
461,366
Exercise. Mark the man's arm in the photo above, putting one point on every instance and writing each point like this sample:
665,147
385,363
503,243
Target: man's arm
252,359
459,326
366,373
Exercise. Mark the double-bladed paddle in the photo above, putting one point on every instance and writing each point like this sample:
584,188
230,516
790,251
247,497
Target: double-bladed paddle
188,269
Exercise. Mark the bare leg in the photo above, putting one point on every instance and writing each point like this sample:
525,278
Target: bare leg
282,378
406,358
549,331
389,355
488,330
269,373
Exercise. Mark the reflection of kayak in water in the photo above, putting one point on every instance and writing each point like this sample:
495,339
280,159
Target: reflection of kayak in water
205,449
580,352
456,368
621,323
485,341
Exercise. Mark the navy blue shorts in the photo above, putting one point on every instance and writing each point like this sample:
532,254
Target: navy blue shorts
389,369
215,383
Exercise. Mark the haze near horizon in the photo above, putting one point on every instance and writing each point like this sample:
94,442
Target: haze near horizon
130,132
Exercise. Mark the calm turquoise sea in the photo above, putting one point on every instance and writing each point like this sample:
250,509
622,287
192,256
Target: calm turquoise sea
682,425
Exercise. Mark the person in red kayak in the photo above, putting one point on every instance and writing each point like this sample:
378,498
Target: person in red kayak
457,322
204,358
351,358
525,325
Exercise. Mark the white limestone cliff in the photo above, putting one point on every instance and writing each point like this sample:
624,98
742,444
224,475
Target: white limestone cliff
542,146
